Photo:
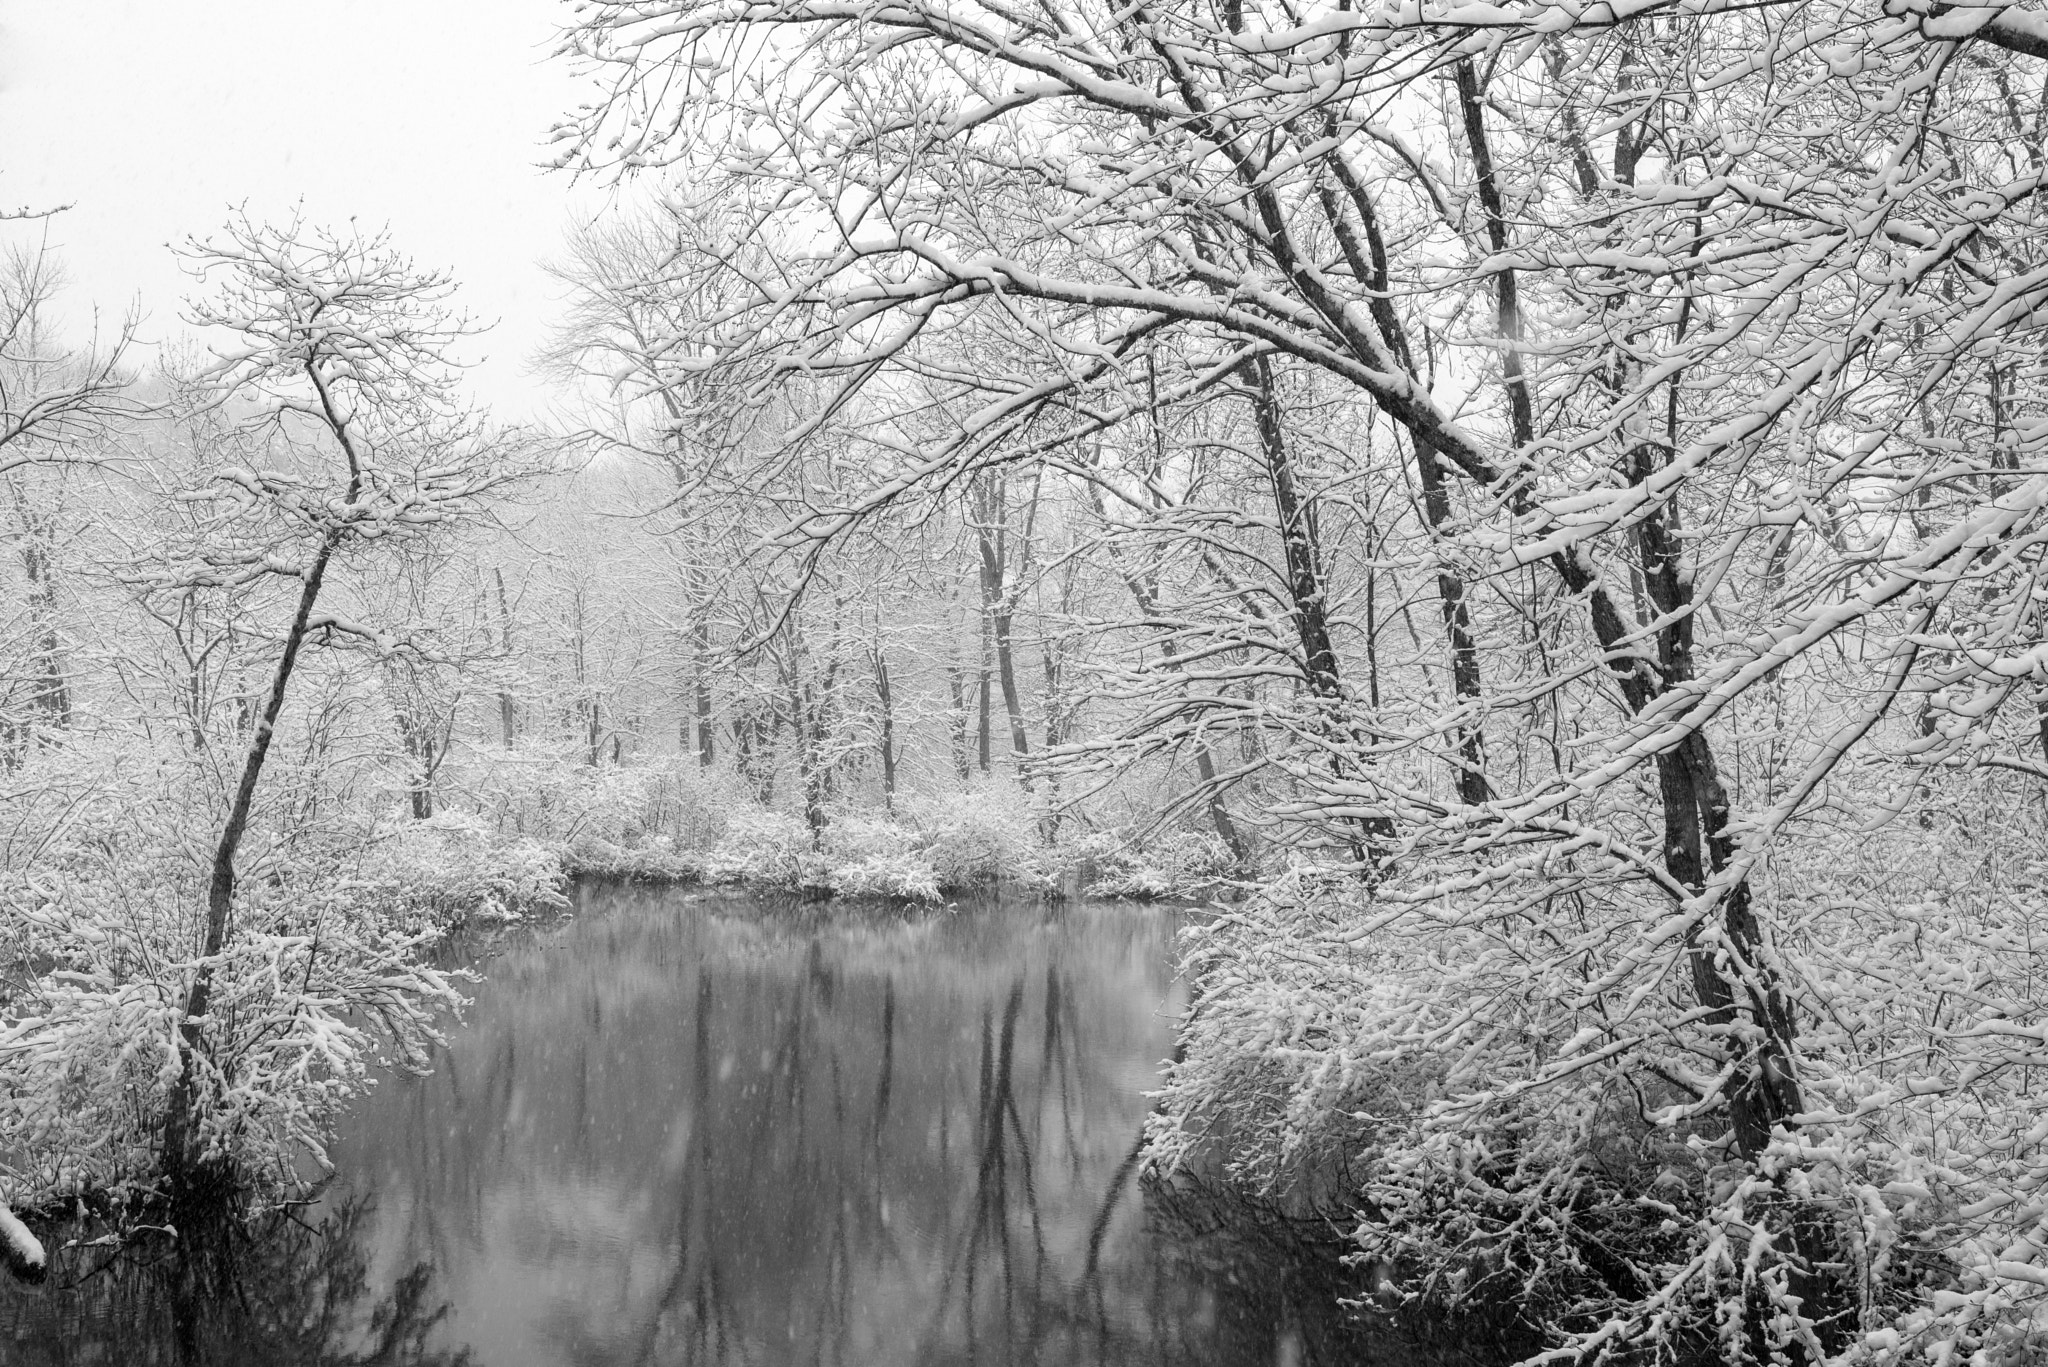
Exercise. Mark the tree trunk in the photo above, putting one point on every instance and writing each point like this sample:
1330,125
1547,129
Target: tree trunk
221,885
981,733
423,795
888,739
49,692
707,727
1006,674
1764,1091
956,688
808,712
586,699
419,755
508,715
1306,592
992,534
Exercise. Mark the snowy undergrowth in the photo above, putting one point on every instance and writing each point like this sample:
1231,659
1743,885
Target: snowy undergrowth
1169,865
1508,1138
928,848
323,978
669,820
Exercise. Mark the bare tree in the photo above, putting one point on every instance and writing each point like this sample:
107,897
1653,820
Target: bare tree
54,399
57,403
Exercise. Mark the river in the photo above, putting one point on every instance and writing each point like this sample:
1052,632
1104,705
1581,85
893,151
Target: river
697,1127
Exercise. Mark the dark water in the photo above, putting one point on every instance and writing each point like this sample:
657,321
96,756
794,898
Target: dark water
691,1128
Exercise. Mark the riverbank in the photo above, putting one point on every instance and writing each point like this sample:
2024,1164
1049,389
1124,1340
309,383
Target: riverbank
671,821
676,1109
330,973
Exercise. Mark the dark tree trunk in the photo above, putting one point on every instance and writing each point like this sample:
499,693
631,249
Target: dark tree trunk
587,712
886,703
1307,595
508,713
420,757
981,733
707,727
221,885
997,604
956,687
49,692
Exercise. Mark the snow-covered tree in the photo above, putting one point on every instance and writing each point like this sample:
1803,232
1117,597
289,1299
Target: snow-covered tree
1706,344
330,358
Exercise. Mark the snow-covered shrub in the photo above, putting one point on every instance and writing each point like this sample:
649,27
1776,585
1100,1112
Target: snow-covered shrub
1171,864
451,867
1325,1069
1273,1091
867,856
986,835
689,806
905,874
654,859
102,894
670,819
769,848
853,836
89,1054
1525,1111
645,820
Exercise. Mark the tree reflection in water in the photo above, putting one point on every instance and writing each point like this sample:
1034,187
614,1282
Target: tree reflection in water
275,1290
702,1129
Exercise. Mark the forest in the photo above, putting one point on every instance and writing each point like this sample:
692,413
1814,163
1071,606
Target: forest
1526,519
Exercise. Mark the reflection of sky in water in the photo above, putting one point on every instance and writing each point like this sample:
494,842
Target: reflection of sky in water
684,1128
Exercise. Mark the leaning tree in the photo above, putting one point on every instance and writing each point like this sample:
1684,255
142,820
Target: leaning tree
343,443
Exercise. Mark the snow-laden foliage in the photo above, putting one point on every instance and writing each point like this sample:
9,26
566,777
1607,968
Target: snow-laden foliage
539,792
656,819
984,837
988,834
451,867
672,819
1522,1110
773,849
324,979
906,874
1171,863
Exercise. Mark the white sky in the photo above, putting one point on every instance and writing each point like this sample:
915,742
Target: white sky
154,117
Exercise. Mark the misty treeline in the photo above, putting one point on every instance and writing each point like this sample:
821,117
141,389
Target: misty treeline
1550,497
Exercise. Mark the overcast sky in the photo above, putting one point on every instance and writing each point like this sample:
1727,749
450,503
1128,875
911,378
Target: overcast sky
153,117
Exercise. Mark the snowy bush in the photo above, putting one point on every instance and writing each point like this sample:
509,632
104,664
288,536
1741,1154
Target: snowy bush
869,857
102,890
89,1053
452,867
1529,1113
853,837
1172,864
672,820
984,836
627,821
770,848
906,874
316,986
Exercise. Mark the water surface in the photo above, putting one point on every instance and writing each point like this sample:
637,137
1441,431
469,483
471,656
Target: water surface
686,1127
